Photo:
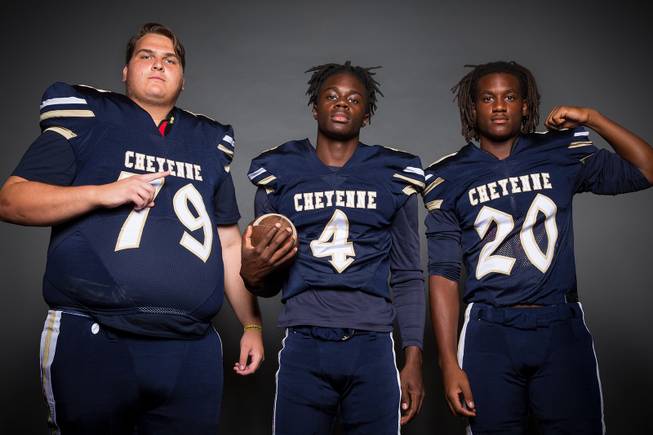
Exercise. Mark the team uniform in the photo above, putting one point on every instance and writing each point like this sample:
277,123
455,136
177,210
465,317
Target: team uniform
510,222
128,338
338,353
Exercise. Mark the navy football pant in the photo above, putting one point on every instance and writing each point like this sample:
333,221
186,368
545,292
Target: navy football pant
97,381
327,372
537,360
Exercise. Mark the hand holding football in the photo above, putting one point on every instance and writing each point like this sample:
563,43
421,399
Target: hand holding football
264,223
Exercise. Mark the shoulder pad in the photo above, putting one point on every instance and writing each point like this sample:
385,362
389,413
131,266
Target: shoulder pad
66,110
268,166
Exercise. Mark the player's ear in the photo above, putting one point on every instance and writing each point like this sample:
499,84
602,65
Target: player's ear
314,111
524,108
366,120
124,73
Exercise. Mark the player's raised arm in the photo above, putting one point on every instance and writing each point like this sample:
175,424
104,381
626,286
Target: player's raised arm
626,143
28,202
244,304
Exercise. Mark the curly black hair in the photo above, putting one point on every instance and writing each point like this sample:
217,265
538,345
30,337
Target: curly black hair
465,93
366,75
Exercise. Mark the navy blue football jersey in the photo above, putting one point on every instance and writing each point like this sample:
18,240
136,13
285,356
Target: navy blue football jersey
157,271
342,215
510,221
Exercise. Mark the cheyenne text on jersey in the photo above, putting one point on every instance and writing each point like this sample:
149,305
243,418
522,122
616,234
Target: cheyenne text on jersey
146,162
338,198
523,183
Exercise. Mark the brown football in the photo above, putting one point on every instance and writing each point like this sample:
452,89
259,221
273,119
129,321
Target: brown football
264,223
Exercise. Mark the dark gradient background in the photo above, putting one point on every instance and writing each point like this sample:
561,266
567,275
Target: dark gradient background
245,66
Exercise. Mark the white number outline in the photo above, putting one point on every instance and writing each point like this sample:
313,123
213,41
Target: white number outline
131,231
488,263
187,194
548,208
340,249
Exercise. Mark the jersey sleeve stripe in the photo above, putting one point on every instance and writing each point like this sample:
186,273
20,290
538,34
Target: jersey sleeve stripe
580,144
68,134
434,205
266,180
414,170
256,173
433,185
225,150
230,140
67,114
582,159
62,101
582,133
418,183
409,190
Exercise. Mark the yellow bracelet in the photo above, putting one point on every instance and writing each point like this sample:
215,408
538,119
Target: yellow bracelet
252,326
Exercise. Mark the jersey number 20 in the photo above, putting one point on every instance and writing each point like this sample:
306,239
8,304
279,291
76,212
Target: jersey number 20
489,262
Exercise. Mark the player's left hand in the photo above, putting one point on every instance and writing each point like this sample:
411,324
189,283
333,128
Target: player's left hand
412,387
568,117
251,352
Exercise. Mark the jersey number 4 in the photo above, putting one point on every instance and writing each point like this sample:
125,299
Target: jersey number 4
132,229
333,242
488,262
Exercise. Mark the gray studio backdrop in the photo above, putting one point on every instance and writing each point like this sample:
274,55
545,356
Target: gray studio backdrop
245,67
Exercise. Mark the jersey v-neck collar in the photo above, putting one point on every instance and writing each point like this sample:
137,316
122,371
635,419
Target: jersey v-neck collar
332,169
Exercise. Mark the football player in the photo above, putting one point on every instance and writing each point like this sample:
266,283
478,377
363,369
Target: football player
503,208
355,210
143,215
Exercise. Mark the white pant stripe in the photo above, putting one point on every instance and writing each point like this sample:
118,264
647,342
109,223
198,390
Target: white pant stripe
596,361
276,380
394,360
461,350
48,347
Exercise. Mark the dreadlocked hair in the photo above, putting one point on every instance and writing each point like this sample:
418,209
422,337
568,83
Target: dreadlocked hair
465,94
366,75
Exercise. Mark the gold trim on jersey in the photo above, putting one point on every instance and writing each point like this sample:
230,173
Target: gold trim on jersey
580,143
409,190
435,183
434,205
267,180
225,150
67,114
68,134
442,158
410,180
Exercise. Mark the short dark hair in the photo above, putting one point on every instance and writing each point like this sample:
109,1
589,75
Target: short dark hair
159,29
466,89
365,75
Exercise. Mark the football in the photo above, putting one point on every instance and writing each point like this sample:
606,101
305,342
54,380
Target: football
264,223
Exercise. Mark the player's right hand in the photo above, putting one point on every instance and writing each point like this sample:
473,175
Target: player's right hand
458,392
273,251
137,189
